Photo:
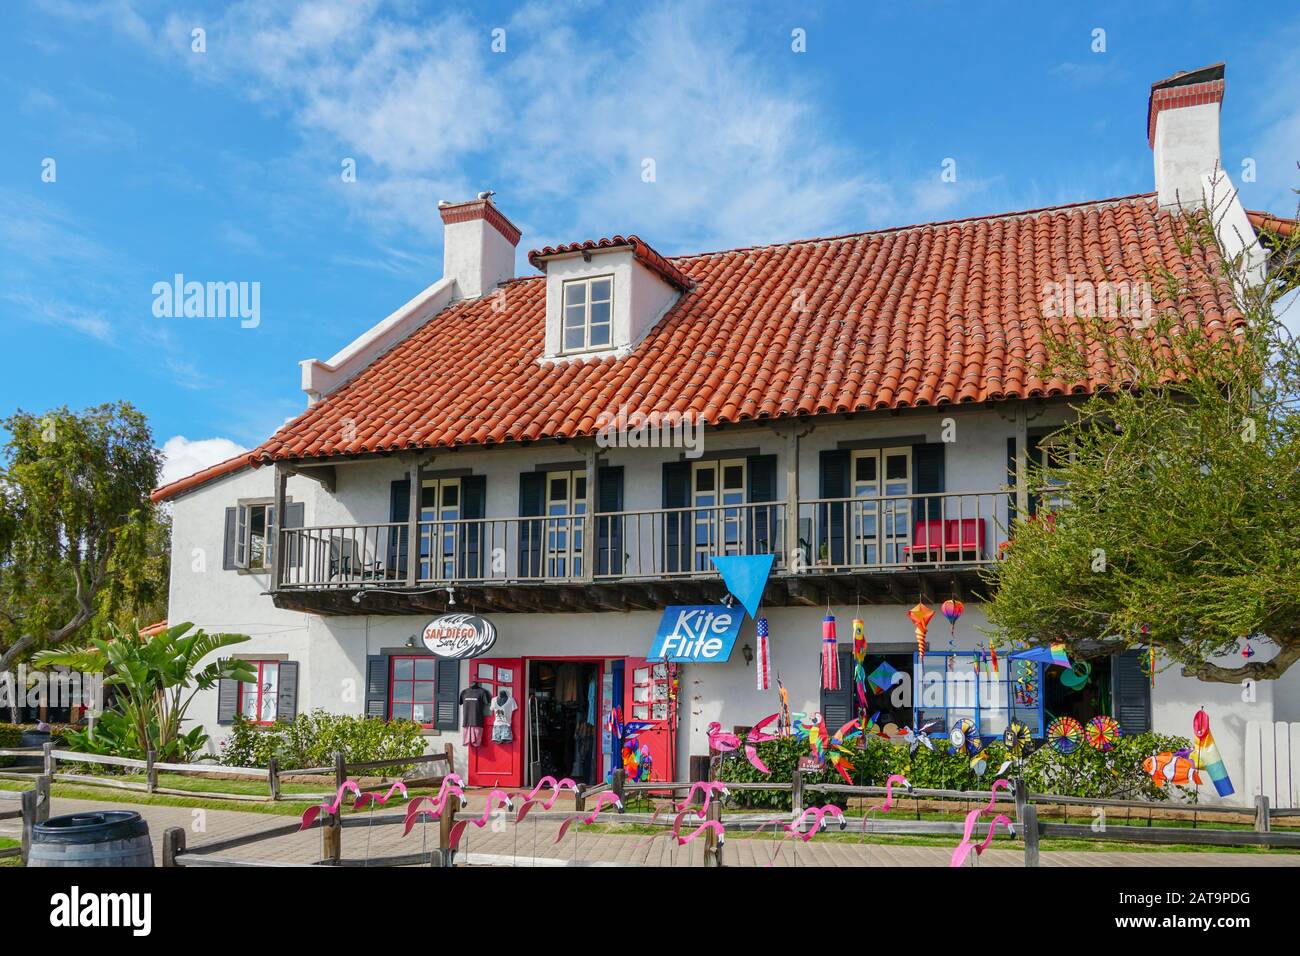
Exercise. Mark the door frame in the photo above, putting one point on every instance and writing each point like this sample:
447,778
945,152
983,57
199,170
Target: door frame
599,661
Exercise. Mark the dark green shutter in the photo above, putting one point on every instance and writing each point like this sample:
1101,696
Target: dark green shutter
1032,446
473,507
837,705
377,686
831,517
677,526
286,701
763,525
295,513
928,477
1132,692
228,543
227,700
446,694
609,525
532,501
399,512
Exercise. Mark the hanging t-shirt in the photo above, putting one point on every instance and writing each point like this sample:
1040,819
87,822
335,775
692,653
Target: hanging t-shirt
473,704
501,714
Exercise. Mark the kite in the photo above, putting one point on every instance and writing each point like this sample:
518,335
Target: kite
920,617
882,678
1065,734
764,657
1207,754
830,655
1102,732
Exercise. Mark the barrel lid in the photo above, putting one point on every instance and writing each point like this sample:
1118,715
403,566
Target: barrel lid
96,826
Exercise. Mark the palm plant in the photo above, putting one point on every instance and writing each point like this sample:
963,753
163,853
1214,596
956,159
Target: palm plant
155,679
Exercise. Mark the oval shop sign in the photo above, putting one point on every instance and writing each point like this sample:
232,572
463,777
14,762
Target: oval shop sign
459,636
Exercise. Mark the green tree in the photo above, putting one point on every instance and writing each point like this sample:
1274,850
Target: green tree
77,532
155,680
1178,523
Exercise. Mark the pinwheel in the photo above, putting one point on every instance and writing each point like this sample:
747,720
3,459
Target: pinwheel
1102,732
830,654
962,737
1064,734
329,806
918,738
763,657
980,762
839,752
1207,754
920,617
603,799
548,782
1017,738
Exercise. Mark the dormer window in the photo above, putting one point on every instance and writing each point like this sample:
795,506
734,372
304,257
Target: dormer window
588,311
603,297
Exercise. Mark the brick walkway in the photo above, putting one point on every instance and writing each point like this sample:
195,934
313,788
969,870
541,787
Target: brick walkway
537,839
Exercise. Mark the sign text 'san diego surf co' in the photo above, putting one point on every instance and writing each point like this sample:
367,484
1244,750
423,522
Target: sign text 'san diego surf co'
697,634
459,636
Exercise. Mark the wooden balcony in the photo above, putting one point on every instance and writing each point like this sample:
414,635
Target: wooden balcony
893,549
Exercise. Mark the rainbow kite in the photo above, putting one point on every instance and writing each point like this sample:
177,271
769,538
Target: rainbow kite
1207,755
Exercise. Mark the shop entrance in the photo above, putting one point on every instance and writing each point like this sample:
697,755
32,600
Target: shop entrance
564,720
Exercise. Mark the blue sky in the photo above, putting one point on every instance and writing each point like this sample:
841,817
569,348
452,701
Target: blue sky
225,164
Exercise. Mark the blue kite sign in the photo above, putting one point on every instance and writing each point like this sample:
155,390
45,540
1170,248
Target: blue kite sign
696,634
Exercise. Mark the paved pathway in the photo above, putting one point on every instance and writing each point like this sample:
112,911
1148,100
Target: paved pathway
537,840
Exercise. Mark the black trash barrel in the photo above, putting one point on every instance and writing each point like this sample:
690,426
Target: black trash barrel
101,838
32,738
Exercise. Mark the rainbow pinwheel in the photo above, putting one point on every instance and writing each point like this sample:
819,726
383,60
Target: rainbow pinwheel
1102,732
1065,734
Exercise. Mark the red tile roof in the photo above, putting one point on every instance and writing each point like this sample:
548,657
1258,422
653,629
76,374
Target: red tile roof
926,315
640,249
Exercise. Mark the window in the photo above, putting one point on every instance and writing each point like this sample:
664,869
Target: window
255,535
949,691
440,509
588,306
881,527
718,530
259,700
566,499
412,690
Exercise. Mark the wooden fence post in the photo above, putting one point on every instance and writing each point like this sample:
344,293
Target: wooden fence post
618,783
173,845
445,822
1262,822
580,799
1029,824
796,791
713,842
150,774
273,777
1021,794
333,851
42,798
48,749
29,798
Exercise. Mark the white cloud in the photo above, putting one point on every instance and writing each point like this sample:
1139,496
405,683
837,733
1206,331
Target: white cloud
182,457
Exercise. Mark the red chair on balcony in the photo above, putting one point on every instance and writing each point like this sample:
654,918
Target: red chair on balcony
963,539
927,541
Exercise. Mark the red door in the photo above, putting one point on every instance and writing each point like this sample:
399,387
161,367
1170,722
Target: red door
499,764
646,697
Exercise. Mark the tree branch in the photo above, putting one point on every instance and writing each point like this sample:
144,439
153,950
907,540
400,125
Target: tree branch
1288,653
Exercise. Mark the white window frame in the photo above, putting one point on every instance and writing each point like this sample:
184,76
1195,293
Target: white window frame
264,692
587,344
720,516
243,523
893,520
446,552
564,527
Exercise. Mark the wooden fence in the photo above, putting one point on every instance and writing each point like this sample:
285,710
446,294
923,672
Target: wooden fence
33,806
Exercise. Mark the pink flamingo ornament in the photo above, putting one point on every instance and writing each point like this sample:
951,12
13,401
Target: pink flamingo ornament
330,806
458,828
451,787
603,799
368,797
556,787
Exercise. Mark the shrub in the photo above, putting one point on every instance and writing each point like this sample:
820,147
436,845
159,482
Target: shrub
313,738
1087,772
10,735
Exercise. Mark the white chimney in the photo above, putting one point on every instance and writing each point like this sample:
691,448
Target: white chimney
478,247
1183,129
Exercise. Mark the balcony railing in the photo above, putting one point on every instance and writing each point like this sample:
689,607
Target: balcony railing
840,535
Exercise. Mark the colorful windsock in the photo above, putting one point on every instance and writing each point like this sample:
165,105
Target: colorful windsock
860,662
1207,756
920,617
764,658
830,655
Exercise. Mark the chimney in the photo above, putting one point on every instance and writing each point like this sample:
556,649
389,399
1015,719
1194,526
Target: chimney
478,247
1183,129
